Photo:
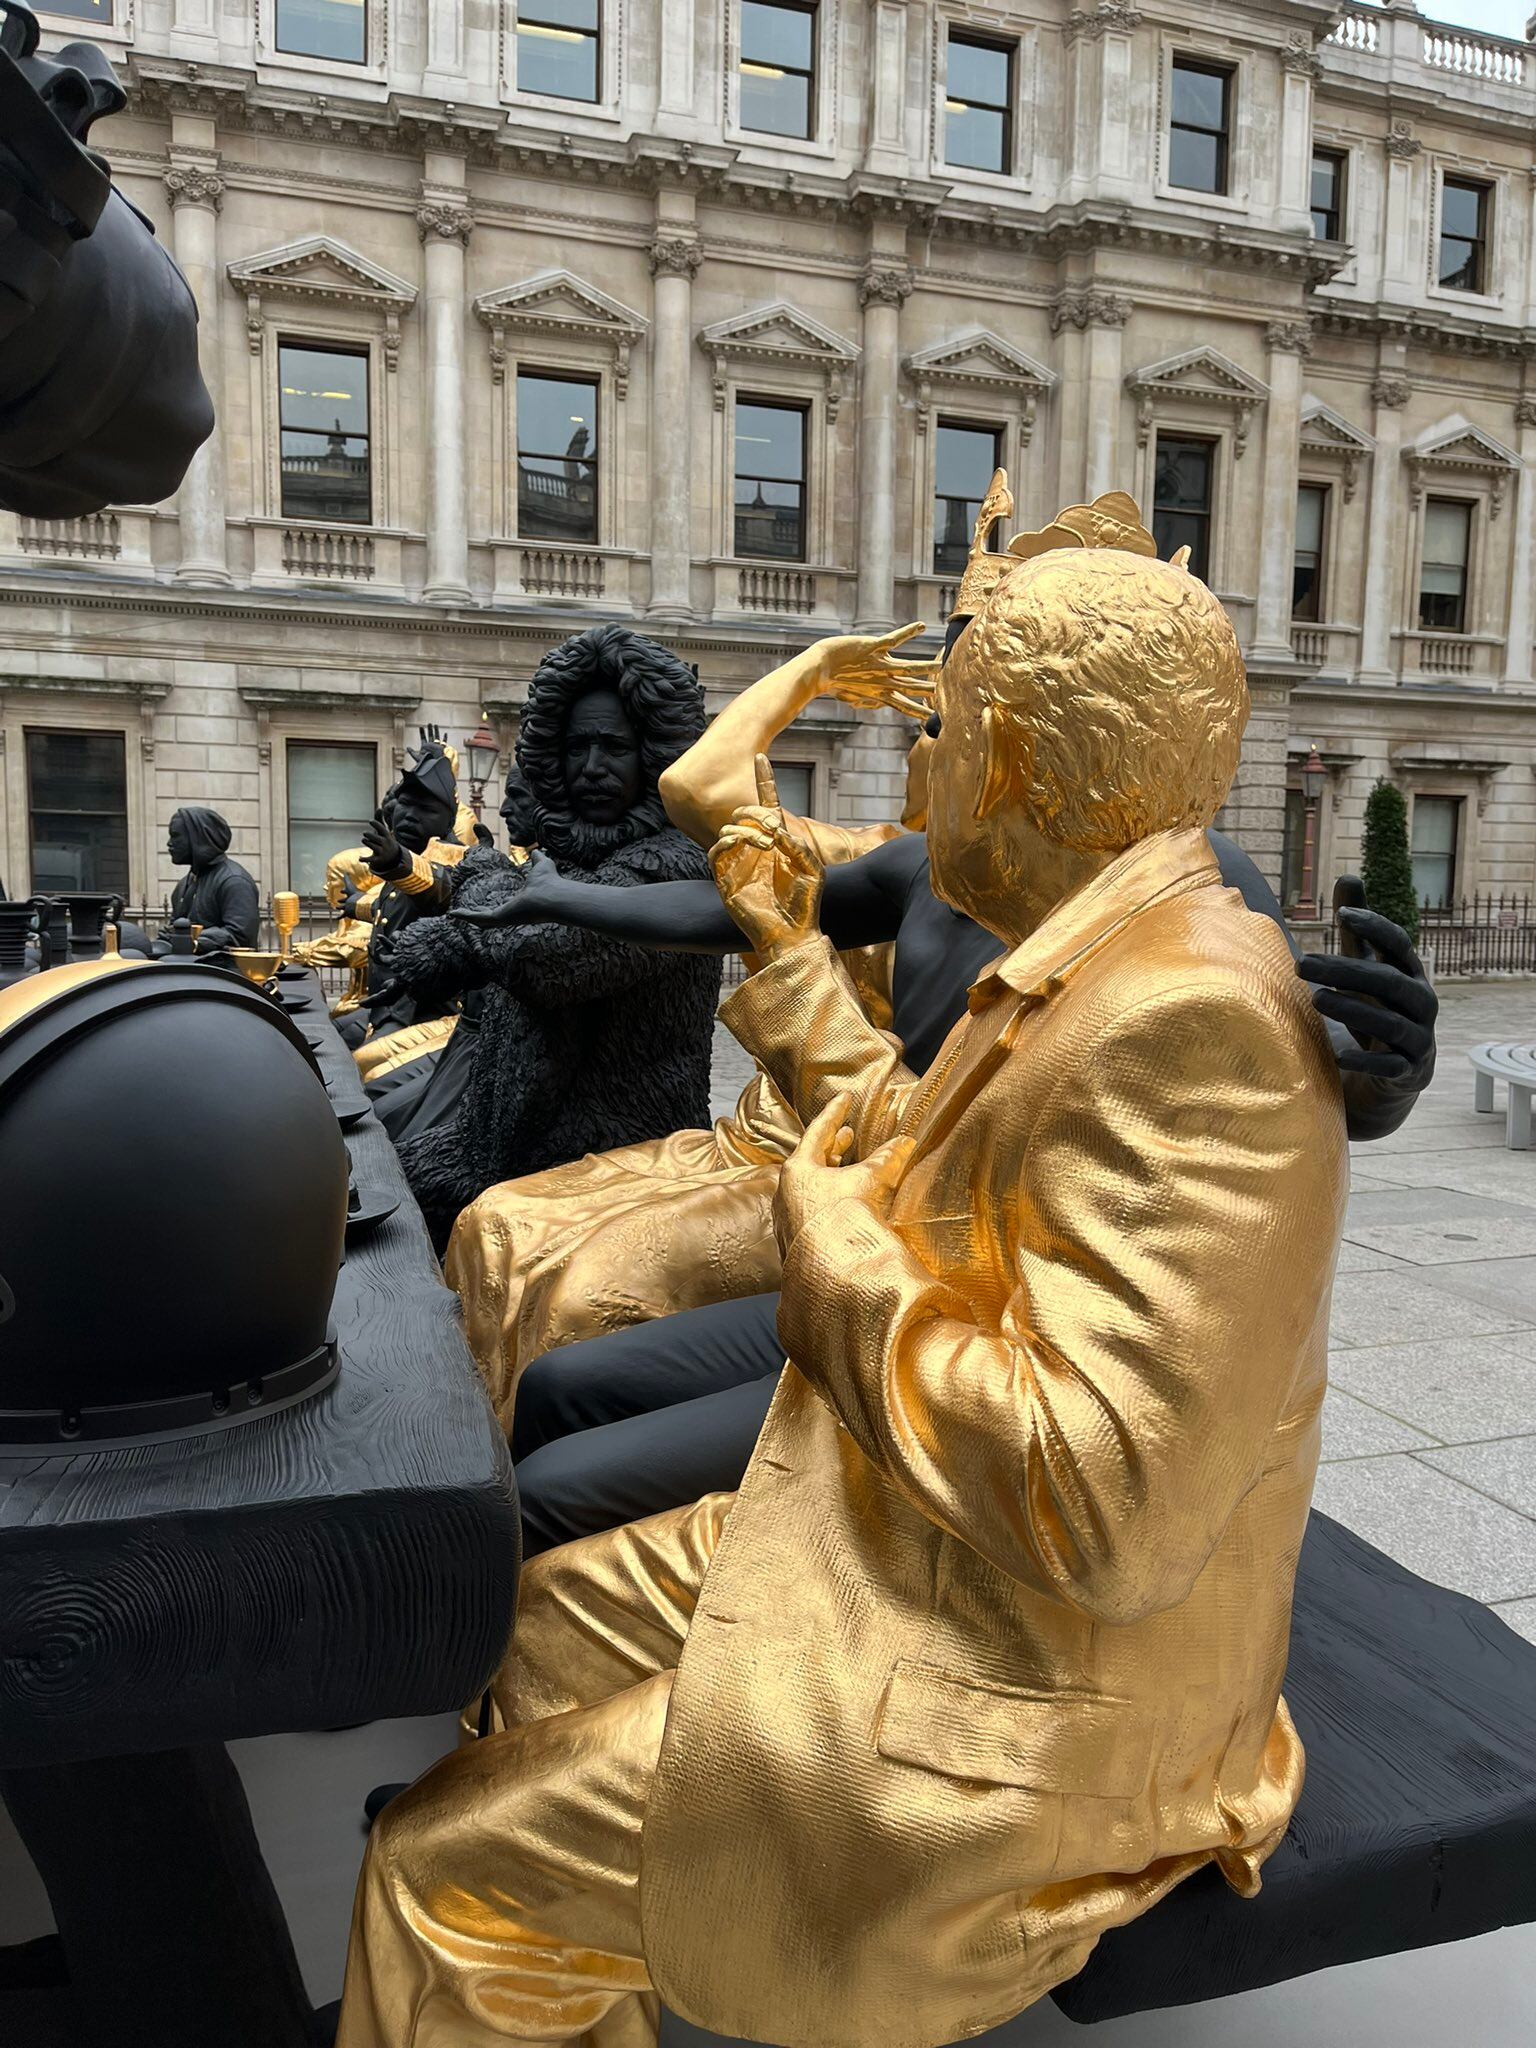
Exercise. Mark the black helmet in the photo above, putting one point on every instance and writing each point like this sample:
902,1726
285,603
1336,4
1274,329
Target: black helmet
173,1198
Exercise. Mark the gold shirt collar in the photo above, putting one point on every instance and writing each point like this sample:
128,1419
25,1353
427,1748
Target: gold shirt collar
1165,865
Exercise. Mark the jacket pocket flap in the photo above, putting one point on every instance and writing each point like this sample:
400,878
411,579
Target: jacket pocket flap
1064,1742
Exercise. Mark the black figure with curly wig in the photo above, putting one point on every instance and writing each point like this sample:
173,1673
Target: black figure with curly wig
585,1042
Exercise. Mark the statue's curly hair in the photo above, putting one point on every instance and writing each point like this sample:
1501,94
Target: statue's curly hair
661,695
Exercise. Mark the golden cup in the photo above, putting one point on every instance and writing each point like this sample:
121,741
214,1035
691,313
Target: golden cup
257,968
285,915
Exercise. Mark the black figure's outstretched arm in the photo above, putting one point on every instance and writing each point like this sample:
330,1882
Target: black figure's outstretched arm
860,906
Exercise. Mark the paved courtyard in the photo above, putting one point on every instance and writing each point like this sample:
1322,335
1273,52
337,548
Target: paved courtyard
1430,1453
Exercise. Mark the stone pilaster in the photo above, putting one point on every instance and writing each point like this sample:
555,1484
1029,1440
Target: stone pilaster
1091,323
1289,342
445,224
1517,644
197,192
886,284
1389,394
675,260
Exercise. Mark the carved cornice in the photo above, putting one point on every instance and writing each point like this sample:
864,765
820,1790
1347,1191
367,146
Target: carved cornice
1110,17
1391,393
885,284
676,256
271,697
1091,308
1290,337
1427,327
194,185
141,693
447,219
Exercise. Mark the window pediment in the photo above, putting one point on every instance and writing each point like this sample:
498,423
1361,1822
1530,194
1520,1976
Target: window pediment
778,336
1461,450
322,269
559,305
1200,376
1325,433
981,360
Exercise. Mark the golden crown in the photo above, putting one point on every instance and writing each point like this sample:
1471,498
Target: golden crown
1112,521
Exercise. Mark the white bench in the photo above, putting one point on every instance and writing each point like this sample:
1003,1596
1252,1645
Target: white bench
1516,1065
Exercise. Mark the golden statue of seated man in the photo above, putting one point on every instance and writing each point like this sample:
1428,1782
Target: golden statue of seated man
986,1653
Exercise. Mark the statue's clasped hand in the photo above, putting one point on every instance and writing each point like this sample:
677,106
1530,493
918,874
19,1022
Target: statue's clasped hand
815,1177
1386,1003
768,872
386,856
536,902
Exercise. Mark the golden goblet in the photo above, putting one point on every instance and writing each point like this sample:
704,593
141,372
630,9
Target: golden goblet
257,968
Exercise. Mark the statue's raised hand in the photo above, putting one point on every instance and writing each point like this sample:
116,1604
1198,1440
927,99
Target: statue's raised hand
768,873
1382,998
535,903
385,855
862,669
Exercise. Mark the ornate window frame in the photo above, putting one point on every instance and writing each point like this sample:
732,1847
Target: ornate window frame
1327,438
317,289
1442,165
557,321
1001,24
120,32
1215,50
1458,460
82,704
974,374
374,67
776,352
822,142
1200,392
607,109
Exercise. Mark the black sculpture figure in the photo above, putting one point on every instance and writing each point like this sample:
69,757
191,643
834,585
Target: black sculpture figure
216,892
101,398
585,1043
415,821
426,1092
649,1417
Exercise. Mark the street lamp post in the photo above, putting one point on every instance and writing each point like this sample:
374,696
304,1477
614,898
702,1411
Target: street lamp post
483,751
1314,777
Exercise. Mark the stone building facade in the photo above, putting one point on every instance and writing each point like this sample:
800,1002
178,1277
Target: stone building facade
712,315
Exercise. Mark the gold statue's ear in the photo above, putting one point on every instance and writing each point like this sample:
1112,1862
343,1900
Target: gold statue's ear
1000,762
984,568
1179,559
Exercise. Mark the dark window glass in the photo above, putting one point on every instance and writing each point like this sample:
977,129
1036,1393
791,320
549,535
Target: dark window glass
556,457
324,28
559,48
332,790
1436,827
792,779
77,802
1463,235
1328,195
778,68
1197,132
770,480
1293,847
1181,499
1443,577
1307,576
978,104
99,11
323,412
964,458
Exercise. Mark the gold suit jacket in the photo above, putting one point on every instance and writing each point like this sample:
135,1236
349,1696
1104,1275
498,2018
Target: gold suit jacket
990,1654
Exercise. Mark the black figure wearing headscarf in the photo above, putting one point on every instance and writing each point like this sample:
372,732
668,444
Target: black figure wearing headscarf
585,1042
216,892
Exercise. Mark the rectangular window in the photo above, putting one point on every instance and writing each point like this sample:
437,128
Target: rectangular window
1443,578
1183,477
559,48
778,68
323,416
1293,847
1436,828
556,457
77,805
1307,574
978,104
337,29
964,458
770,480
332,791
793,781
99,11
1198,129
1464,235
1328,194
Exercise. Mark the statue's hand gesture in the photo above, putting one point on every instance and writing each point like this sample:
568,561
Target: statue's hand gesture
816,1178
768,873
864,670
385,855
1382,997
535,903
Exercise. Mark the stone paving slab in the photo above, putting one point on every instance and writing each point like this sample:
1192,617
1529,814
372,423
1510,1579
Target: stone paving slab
1506,1286
1397,1308
1454,1390
1521,1616
1451,1241
1354,1429
1433,1524
1505,1471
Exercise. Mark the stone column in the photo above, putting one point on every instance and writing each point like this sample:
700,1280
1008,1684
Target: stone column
886,283
1517,644
1389,394
445,222
1289,341
1092,395
675,260
197,192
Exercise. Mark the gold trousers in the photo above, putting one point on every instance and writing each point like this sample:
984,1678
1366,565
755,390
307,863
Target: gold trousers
379,1056
500,1897
616,1238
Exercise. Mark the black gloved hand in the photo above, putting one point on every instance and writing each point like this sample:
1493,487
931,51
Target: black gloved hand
386,856
1385,1002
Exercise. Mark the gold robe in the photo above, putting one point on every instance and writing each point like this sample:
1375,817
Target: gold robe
988,1654
644,1231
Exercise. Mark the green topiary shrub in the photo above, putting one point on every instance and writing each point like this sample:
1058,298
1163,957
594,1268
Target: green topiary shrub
1386,868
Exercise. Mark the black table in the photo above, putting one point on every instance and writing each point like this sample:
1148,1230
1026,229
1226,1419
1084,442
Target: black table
348,1560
